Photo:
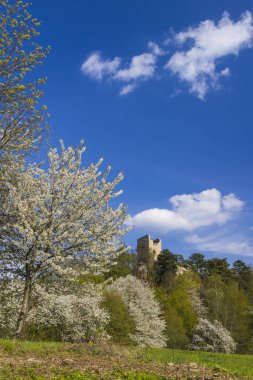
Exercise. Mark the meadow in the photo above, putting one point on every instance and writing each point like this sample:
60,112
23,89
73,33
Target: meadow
23,360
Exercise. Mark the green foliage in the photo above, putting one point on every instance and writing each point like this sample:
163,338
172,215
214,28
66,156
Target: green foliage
22,121
136,376
124,265
94,278
198,263
48,333
244,276
165,268
180,300
175,331
187,281
219,267
178,310
121,324
236,316
230,306
8,372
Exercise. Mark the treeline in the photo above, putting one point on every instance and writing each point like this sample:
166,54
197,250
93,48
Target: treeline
199,288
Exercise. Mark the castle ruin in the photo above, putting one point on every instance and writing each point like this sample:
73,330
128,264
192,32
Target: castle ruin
147,253
148,249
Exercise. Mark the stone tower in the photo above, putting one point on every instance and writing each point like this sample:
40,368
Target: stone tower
148,249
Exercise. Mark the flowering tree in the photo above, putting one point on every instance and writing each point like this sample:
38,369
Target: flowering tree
197,303
10,298
74,312
58,222
21,121
144,309
212,337
71,309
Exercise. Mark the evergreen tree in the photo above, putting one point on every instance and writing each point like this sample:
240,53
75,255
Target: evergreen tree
165,268
244,275
219,267
198,263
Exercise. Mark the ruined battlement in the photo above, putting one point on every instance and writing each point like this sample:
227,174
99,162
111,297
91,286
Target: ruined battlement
148,248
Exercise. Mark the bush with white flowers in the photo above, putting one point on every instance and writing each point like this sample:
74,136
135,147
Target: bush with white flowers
145,310
212,337
77,315
73,312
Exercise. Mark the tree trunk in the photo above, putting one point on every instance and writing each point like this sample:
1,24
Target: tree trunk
24,308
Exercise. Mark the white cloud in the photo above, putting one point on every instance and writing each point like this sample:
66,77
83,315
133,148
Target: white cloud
96,67
156,50
198,65
227,243
225,72
189,212
127,89
141,67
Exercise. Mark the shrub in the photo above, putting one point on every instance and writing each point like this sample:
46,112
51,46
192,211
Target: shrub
70,312
121,324
212,337
145,310
175,331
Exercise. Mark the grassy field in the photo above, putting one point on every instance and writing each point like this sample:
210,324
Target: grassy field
59,361
239,365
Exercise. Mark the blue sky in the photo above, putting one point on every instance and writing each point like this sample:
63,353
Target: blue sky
163,91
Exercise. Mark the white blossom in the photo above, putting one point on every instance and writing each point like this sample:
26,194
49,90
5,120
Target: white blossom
58,221
212,337
144,309
77,315
74,311
10,299
197,303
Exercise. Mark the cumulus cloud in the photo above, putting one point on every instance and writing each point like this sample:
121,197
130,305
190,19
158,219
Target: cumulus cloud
197,60
96,67
197,65
189,212
141,66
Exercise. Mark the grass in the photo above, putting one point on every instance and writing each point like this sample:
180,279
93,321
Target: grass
23,374
65,361
239,365
11,346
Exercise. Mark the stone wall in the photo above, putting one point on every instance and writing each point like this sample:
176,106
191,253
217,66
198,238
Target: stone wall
148,248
